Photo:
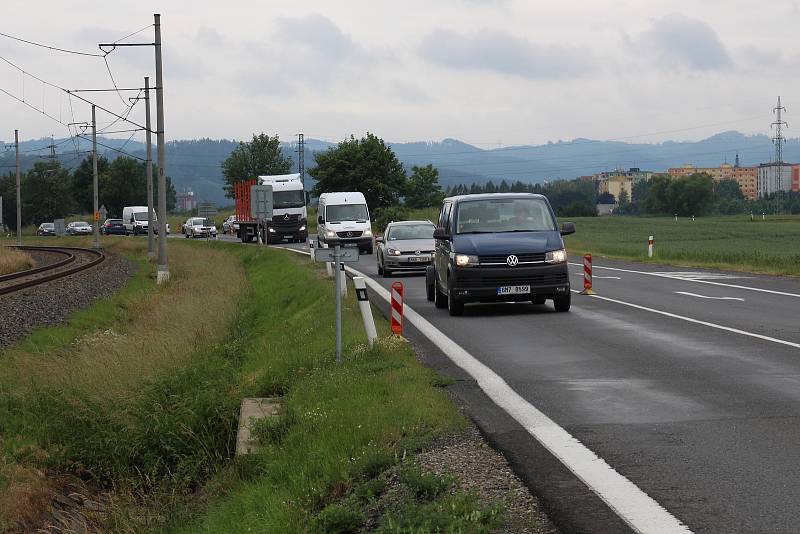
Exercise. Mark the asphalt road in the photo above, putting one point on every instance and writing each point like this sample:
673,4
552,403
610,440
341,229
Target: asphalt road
687,382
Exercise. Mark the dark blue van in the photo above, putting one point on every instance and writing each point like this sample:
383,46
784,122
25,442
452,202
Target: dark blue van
498,248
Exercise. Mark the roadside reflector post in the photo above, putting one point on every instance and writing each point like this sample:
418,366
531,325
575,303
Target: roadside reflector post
676,217
397,308
366,310
338,305
587,275
329,269
650,247
343,278
311,249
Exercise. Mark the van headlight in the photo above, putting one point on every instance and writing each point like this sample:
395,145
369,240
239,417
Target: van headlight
271,230
556,256
330,233
302,228
464,260
367,233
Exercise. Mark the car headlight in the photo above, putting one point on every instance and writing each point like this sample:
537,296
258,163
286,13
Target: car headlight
330,233
556,256
392,252
302,228
464,260
367,233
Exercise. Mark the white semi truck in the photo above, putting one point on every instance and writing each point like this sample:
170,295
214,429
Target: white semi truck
289,214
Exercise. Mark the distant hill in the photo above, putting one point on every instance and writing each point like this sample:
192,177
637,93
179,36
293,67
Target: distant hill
196,164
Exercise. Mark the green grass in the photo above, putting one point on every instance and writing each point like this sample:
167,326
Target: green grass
731,242
139,395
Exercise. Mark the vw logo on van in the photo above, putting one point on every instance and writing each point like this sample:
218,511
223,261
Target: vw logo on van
512,261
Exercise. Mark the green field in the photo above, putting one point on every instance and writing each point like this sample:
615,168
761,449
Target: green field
732,242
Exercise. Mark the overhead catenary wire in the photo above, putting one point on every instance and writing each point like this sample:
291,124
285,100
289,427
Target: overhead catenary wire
54,48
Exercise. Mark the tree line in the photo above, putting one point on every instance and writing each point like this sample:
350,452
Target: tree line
51,191
698,194
367,165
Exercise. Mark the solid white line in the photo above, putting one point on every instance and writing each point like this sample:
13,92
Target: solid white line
640,511
707,296
599,277
662,275
698,321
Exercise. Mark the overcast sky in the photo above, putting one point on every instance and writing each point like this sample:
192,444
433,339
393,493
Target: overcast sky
488,72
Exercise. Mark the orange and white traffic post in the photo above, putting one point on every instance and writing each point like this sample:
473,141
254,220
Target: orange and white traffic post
397,308
587,275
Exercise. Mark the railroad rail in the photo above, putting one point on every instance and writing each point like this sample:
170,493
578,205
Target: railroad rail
62,268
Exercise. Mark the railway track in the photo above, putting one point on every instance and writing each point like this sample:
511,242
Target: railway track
74,260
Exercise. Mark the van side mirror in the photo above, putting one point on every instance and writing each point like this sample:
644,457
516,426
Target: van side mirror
319,220
567,228
440,233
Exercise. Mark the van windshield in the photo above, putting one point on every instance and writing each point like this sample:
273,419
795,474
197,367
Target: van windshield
288,199
504,215
142,216
346,212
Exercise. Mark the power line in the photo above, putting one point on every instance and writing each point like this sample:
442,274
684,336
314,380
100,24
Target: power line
55,48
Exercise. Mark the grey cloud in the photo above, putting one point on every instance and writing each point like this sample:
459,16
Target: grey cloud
679,42
505,53
318,34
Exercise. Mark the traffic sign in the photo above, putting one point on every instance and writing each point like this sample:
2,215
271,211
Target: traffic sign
96,216
329,254
206,209
261,202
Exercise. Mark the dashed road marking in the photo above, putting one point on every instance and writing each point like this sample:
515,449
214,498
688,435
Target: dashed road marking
707,296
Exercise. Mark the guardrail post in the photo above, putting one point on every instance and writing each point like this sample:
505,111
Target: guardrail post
587,275
366,310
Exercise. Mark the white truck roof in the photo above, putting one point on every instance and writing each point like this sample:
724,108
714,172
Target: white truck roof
353,197
282,182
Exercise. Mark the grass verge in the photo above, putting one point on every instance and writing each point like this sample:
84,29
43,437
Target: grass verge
14,260
138,397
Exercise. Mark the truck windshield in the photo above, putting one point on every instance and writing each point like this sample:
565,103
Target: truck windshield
345,212
288,199
504,215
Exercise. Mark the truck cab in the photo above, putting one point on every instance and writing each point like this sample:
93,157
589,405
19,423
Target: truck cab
343,219
289,214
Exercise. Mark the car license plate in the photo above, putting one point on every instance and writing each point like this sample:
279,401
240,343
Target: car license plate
513,290
419,259
349,244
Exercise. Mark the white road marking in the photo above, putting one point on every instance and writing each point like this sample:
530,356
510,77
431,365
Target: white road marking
707,296
599,277
664,275
698,275
640,511
698,321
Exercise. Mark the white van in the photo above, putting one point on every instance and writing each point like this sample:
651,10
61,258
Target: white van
343,218
135,219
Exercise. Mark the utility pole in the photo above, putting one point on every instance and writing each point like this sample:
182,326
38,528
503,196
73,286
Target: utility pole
149,172
19,191
163,265
301,159
96,215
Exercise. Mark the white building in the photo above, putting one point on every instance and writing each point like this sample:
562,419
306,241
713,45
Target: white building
773,177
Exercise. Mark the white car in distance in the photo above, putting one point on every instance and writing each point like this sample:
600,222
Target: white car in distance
199,227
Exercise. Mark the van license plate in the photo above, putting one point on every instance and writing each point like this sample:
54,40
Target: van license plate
513,290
